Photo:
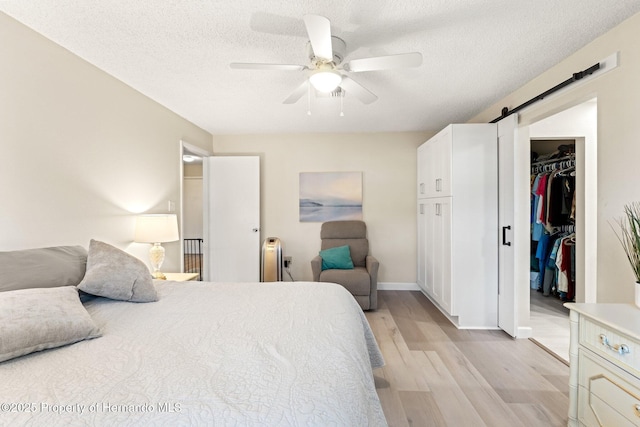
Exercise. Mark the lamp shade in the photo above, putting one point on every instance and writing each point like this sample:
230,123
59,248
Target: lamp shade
325,80
156,228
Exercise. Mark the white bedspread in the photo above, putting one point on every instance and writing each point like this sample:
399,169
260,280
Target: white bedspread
268,354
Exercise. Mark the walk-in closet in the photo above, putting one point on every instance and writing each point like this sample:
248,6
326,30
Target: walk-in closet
553,240
562,266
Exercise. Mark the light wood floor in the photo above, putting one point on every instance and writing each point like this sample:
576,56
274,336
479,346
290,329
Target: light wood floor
550,324
437,375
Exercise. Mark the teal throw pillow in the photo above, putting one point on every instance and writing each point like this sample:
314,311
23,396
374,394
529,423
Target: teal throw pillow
338,257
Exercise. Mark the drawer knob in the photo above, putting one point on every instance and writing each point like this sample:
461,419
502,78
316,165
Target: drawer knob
618,348
636,410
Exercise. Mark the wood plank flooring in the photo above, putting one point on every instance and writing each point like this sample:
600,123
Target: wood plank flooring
437,375
550,324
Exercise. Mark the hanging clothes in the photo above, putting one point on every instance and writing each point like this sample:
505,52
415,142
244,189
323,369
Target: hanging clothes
565,263
552,218
561,192
537,225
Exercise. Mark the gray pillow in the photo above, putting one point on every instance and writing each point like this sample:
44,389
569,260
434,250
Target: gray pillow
40,318
42,267
113,273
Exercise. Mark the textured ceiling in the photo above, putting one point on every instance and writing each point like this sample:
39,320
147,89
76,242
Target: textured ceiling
178,53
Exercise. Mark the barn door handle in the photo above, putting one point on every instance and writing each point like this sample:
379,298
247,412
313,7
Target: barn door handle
504,235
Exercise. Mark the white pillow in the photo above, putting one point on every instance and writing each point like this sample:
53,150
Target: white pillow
40,318
113,273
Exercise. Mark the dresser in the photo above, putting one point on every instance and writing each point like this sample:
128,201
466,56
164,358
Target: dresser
604,381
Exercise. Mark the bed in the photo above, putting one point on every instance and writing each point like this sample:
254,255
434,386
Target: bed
228,354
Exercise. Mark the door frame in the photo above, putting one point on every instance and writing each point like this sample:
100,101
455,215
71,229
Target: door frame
184,147
522,159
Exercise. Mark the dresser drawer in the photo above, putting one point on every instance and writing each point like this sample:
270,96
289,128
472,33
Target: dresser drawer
607,396
610,344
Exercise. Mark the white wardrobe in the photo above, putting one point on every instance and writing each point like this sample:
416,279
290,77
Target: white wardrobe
458,223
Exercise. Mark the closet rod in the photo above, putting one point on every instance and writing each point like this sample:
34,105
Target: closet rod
576,76
558,159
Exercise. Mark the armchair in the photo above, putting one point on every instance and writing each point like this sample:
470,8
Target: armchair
362,280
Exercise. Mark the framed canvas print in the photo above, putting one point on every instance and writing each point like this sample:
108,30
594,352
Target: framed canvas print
330,196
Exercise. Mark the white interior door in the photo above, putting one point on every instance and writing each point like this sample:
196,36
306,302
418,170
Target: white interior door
232,218
507,319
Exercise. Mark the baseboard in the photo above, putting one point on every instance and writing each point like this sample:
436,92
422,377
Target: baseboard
392,286
524,332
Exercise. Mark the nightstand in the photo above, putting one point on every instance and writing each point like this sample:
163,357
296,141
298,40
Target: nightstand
181,277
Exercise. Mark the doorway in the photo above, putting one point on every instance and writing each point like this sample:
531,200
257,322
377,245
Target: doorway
191,209
548,318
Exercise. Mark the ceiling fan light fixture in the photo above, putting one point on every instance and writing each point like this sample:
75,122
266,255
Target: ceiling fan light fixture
325,80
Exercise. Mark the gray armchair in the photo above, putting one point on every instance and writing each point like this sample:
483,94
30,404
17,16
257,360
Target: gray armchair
362,280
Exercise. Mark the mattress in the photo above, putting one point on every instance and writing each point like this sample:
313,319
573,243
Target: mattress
221,354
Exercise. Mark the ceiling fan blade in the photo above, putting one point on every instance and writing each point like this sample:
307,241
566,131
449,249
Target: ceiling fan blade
257,66
319,31
356,89
403,60
297,93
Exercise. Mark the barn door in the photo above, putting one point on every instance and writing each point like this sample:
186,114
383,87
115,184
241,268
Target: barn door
507,304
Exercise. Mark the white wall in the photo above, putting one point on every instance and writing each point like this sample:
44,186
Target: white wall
80,152
618,174
192,202
388,164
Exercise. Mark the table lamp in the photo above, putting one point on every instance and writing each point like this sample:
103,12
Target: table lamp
156,229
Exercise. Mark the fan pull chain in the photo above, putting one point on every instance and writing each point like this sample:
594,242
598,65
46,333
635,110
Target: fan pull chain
309,99
341,103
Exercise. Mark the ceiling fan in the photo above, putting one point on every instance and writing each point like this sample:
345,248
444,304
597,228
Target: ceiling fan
326,73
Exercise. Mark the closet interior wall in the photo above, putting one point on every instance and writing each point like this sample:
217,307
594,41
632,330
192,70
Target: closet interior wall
553,219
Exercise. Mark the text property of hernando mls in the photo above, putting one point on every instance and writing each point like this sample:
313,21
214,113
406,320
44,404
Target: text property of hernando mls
80,408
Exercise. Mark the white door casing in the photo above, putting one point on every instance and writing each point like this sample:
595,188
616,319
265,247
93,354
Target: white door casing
185,148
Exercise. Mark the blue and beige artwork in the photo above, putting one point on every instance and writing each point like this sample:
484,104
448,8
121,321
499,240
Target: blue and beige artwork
330,196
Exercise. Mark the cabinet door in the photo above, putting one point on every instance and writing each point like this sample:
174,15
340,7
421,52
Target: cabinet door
430,248
434,228
421,276
436,161
443,152
431,167
422,171
436,248
444,224
441,252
